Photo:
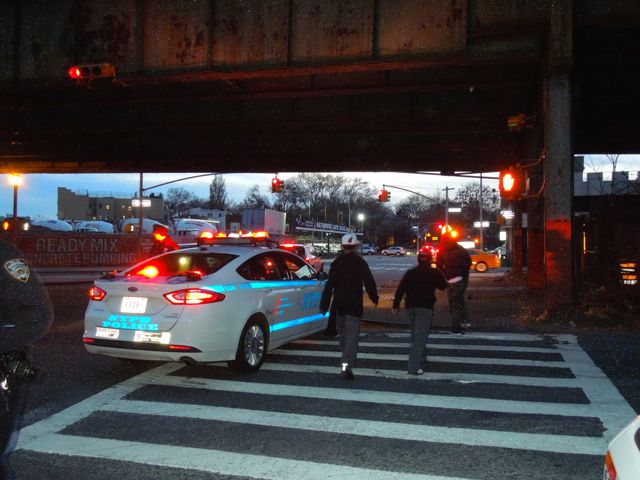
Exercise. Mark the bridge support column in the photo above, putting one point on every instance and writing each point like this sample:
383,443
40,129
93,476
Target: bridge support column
558,171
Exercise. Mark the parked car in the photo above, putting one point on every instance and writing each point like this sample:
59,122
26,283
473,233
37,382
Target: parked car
483,261
369,250
622,461
305,251
394,251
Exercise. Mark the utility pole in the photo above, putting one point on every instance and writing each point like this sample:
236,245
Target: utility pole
481,230
446,207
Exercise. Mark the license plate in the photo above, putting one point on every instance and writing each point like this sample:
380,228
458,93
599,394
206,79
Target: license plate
133,304
151,337
107,332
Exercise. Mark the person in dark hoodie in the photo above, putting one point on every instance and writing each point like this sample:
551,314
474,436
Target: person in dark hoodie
418,285
349,272
454,262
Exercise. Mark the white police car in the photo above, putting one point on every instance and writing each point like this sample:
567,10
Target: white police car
230,301
622,461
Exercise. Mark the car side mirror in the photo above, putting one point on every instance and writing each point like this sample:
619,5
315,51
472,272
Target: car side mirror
322,275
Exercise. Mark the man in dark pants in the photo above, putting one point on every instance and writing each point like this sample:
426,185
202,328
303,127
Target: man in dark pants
349,272
419,284
25,316
454,261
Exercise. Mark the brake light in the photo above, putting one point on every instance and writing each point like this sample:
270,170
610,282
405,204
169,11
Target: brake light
96,293
307,259
610,468
88,340
150,271
193,296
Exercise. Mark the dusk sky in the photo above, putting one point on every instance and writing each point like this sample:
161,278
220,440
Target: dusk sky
37,196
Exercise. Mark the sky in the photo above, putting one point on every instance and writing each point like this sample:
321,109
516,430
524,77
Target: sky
38,195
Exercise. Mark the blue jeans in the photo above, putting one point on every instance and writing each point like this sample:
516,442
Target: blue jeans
420,321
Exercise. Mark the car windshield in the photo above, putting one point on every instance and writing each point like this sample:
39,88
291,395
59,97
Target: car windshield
182,263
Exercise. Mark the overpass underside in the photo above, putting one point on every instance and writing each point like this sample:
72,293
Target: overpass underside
313,85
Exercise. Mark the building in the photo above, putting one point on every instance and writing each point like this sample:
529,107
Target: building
219,216
107,206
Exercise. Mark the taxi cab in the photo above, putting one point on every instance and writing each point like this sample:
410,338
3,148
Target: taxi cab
228,299
482,261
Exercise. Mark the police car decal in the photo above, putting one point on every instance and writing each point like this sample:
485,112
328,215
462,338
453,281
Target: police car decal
18,269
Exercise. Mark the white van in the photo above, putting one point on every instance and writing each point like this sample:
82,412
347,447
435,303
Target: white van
187,230
94,226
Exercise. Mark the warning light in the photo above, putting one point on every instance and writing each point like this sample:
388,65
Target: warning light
384,195
276,185
512,183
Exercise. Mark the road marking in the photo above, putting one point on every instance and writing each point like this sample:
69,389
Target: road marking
214,461
613,409
511,337
455,377
369,428
393,398
437,346
430,358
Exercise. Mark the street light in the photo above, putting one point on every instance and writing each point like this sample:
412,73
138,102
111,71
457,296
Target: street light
15,180
361,218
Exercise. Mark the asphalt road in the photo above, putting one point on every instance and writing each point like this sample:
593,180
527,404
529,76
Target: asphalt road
509,404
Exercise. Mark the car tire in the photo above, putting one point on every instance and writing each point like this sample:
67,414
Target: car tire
481,267
252,347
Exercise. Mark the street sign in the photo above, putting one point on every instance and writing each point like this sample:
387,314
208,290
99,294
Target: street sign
145,202
485,224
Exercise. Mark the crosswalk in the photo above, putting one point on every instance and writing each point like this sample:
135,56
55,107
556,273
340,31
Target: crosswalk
490,405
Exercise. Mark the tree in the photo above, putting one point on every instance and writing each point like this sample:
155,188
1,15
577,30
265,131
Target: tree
178,201
255,199
218,193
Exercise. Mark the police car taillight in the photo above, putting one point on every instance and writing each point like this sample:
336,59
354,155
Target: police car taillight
96,293
609,469
193,296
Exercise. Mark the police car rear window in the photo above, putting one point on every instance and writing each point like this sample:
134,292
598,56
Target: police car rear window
176,263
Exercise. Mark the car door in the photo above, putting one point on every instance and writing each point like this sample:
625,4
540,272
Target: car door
309,291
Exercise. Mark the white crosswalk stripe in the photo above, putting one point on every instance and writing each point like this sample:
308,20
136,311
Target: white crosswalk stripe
299,377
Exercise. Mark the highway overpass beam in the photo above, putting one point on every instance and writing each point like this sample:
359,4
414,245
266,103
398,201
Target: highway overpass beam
559,262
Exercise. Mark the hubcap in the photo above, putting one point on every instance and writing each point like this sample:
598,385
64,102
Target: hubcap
254,345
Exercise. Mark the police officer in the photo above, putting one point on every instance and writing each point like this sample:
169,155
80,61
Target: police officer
349,272
162,242
454,261
419,285
25,316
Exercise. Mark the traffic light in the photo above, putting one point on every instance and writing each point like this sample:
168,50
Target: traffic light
383,195
512,183
276,185
92,72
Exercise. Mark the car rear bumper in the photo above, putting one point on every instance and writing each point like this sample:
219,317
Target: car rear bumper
153,352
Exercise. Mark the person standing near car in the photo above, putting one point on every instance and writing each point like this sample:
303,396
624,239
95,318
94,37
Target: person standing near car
454,262
418,284
349,272
162,242
26,316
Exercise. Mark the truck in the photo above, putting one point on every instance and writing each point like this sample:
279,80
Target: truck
94,226
264,219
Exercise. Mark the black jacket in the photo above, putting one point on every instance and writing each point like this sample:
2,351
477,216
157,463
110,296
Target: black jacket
25,308
419,284
454,261
349,272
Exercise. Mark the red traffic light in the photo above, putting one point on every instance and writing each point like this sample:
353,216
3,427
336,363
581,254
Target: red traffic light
276,185
383,195
92,71
512,183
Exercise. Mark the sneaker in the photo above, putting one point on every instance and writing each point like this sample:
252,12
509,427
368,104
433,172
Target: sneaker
346,372
418,372
465,325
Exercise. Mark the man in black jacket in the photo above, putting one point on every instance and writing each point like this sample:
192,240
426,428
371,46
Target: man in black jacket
349,272
419,284
454,261
25,316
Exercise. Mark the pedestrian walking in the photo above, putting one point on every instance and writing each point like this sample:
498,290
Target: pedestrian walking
418,286
26,316
454,262
348,274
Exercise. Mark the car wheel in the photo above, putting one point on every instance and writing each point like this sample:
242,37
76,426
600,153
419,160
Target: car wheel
481,267
252,347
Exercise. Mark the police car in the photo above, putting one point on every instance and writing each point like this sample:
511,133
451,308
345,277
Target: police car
622,461
229,299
